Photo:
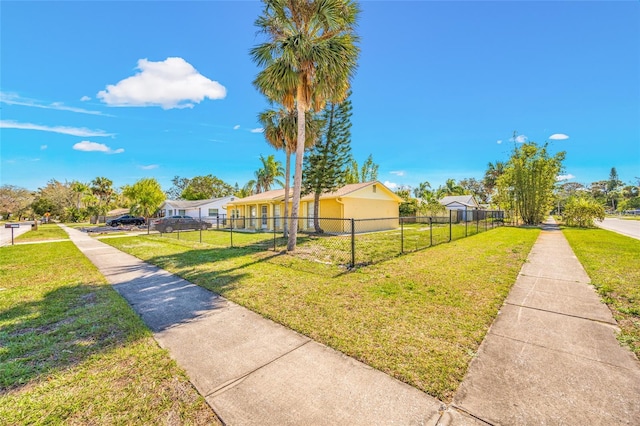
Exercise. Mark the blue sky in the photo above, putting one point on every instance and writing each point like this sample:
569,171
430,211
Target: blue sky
128,90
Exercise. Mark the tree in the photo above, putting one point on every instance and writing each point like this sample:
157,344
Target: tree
179,185
367,173
308,59
409,206
582,211
15,201
280,131
56,198
476,188
146,196
102,188
247,190
205,187
450,188
613,186
268,174
423,190
324,166
529,180
428,203
565,191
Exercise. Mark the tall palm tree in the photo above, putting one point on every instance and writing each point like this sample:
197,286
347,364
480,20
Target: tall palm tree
308,59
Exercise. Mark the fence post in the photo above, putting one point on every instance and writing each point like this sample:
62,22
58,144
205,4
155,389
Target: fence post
402,235
274,235
430,231
353,242
450,217
200,219
466,222
477,220
231,230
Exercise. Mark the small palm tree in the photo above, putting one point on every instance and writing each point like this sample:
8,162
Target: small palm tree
450,188
280,131
308,59
268,174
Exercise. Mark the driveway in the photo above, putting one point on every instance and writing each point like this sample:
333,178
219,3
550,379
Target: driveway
630,228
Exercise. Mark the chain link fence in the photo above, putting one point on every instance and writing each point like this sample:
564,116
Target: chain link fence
346,242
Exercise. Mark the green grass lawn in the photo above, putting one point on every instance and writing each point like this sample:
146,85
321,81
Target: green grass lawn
419,317
49,231
611,260
73,352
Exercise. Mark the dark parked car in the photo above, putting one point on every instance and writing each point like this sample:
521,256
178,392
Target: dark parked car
126,220
179,223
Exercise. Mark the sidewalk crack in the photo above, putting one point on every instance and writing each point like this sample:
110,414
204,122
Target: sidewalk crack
235,381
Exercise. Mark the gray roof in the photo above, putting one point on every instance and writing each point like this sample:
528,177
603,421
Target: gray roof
185,204
465,200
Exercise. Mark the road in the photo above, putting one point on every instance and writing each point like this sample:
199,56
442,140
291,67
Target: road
5,233
630,228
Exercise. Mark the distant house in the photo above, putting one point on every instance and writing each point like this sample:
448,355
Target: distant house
206,209
466,203
366,200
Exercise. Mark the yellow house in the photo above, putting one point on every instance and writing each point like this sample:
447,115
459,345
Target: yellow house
368,200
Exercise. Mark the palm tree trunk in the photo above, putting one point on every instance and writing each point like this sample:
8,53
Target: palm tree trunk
287,183
297,177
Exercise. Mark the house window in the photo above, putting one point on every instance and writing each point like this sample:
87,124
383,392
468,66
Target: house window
213,212
182,212
170,212
374,188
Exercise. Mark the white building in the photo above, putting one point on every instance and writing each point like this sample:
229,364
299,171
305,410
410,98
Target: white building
209,210
467,204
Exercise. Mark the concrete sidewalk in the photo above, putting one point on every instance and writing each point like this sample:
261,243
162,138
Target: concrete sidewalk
551,356
251,370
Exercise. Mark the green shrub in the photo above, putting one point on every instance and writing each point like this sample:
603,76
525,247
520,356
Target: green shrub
582,211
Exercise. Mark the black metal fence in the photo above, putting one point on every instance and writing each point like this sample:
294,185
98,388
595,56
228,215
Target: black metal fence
347,242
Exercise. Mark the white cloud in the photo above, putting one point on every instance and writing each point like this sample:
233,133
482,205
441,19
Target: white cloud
172,83
89,146
74,131
149,167
43,147
390,185
564,177
519,139
558,137
236,127
85,99
14,99
257,130
499,141
397,172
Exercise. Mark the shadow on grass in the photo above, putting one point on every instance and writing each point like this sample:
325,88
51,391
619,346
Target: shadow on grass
62,329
